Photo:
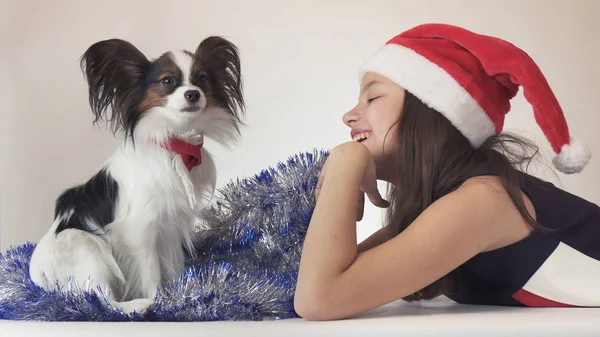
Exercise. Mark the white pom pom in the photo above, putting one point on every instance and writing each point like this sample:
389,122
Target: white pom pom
572,157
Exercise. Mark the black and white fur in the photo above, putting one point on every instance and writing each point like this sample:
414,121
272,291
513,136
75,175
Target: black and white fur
125,230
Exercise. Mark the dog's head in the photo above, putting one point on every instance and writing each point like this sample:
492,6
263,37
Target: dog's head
179,92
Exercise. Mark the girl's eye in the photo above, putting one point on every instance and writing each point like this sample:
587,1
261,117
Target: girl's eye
372,99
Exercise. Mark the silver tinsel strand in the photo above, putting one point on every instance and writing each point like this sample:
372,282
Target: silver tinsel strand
248,251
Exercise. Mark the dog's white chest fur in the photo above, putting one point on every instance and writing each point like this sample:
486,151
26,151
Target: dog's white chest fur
158,216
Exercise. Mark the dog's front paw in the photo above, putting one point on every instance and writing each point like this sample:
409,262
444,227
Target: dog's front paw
139,306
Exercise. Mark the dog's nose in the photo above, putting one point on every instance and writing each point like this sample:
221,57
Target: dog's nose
192,96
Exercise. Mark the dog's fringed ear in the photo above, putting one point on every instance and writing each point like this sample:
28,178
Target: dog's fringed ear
115,71
221,58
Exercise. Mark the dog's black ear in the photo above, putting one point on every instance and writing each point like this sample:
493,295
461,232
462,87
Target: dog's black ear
115,71
221,60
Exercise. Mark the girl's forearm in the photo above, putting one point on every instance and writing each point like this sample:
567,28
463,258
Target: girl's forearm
330,244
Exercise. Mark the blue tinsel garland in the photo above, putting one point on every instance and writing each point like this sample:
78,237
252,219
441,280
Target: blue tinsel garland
248,252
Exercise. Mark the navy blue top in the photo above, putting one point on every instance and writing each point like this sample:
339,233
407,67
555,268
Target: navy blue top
530,272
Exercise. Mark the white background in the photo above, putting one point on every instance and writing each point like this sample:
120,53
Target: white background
299,61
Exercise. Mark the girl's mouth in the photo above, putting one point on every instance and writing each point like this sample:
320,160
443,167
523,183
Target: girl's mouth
362,136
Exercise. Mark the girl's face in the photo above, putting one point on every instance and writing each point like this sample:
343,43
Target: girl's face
373,121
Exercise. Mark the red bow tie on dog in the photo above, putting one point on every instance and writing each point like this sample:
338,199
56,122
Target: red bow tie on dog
191,154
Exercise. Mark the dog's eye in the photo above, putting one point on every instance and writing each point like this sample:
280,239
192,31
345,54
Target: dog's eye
201,78
167,81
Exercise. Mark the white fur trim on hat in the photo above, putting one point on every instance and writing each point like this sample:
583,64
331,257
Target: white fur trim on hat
572,157
435,87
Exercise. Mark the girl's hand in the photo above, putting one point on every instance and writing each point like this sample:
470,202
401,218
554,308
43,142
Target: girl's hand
353,153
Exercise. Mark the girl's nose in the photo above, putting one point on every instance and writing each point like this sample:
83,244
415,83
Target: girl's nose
351,117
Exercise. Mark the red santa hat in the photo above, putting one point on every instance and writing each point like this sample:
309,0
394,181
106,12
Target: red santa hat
470,78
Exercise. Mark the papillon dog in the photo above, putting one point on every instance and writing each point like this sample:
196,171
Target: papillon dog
125,231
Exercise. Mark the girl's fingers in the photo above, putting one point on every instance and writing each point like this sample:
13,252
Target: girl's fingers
376,199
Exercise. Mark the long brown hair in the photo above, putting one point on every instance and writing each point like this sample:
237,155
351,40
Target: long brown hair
441,159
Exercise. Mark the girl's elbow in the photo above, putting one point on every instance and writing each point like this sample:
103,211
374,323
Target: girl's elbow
312,307
318,301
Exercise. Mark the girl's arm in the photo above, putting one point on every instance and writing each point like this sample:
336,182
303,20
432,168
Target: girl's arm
334,282
374,240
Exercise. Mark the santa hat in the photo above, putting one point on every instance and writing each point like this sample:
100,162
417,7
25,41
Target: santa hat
470,78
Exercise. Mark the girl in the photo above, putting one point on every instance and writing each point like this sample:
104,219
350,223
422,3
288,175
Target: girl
463,221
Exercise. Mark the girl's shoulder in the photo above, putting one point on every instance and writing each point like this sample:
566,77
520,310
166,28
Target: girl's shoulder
494,204
564,215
